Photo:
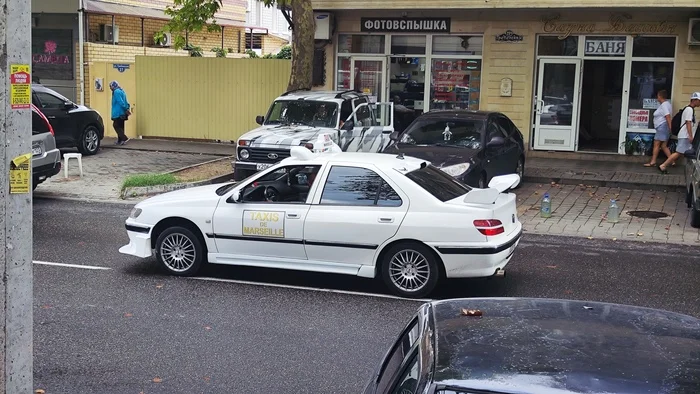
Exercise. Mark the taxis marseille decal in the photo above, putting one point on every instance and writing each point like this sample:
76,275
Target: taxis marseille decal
263,224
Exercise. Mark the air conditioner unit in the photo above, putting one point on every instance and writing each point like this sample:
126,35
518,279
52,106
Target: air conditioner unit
694,31
106,32
323,25
166,41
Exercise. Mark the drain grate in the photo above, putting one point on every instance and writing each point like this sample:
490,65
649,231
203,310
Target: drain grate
648,214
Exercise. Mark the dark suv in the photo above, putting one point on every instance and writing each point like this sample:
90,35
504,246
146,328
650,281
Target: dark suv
75,126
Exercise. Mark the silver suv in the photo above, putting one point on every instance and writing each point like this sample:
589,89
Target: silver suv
354,121
46,158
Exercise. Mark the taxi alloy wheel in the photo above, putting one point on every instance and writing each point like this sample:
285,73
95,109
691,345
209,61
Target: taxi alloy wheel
410,270
180,251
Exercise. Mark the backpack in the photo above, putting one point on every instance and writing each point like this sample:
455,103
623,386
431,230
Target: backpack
676,121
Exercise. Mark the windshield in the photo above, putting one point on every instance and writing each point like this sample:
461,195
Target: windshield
439,184
453,132
305,112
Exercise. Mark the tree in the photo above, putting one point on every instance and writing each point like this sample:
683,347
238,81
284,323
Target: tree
196,15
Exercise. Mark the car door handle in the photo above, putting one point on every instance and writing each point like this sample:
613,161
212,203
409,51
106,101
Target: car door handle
51,117
386,220
293,216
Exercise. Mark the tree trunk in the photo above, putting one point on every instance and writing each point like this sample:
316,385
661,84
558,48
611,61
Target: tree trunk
302,45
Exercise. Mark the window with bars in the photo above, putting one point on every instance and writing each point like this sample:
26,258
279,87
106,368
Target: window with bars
253,41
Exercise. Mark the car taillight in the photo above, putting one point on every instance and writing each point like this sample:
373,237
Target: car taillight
50,128
489,227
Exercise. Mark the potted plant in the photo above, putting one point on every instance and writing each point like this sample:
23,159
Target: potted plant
632,146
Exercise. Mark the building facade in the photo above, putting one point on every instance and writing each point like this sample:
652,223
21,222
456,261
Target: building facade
582,78
116,31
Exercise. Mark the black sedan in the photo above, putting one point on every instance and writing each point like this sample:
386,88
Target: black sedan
472,146
535,345
692,181
75,126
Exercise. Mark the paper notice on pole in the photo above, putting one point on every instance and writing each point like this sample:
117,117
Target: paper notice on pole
20,86
638,119
20,173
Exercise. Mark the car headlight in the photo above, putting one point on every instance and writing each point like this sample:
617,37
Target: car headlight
244,154
456,170
135,213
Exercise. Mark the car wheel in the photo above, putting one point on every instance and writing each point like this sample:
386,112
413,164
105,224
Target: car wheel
410,270
520,170
695,214
180,251
89,143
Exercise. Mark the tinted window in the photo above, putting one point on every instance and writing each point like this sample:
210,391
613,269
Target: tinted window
408,382
395,358
50,101
506,125
310,113
644,46
38,124
364,114
358,187
495,130
436,182
345,110
466,133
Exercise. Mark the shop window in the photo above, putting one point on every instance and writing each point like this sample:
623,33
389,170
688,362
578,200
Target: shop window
408,45
52,54
407,88
455,84
553,46
343,79
605,46
458,45
647,79
654,47
356,43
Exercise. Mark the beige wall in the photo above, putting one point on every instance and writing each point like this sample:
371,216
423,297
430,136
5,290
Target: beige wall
517,61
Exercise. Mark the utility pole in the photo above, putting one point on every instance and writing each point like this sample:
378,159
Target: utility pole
16,318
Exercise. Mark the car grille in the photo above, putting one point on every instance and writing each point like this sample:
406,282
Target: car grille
261,155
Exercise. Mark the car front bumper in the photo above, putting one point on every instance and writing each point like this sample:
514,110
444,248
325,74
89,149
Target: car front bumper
470,261
139,241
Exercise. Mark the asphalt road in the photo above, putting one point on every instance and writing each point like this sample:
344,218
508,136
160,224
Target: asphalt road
127,328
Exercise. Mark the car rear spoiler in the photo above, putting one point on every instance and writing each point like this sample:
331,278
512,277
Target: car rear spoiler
498,185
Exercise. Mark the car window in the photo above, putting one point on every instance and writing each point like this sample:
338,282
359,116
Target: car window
399,352
408,381
305,112
345,110
438,183
495,130
505,125
38,124
290,185
355,186
457,132
49,101
363,114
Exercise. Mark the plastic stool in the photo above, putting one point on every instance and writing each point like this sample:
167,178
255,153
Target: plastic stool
77,156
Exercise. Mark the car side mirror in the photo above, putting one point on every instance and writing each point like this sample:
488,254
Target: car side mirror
394,136
690,154
496,141
349,125
235,197
260,119
68,105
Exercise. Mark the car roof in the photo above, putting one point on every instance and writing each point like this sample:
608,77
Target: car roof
320,95
564,346
381,160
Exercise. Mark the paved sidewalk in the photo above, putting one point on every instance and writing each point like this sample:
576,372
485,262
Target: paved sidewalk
628,175
172,146
580,210
105,171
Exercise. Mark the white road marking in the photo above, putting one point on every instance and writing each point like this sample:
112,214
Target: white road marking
87,267
357,293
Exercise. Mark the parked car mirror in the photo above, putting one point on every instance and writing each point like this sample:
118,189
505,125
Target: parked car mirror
349,125
235,197
496,141
394,136
690,154
68,105
260,119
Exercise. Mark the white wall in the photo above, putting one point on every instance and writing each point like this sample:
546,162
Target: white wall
268,17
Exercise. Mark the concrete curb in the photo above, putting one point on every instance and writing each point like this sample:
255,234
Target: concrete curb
599,183
85,200
200,164
146,191
125,147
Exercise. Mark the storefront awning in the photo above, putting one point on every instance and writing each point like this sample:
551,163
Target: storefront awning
107,8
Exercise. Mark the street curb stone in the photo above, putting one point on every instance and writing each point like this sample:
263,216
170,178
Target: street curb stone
599,183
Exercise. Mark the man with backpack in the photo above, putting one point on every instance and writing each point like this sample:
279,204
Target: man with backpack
685,126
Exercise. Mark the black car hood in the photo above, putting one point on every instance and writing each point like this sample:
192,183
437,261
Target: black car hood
439,156
564,346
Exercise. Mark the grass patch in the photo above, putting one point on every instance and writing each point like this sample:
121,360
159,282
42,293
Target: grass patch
142,180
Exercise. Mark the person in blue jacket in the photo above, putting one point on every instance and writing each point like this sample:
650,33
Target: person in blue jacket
120,112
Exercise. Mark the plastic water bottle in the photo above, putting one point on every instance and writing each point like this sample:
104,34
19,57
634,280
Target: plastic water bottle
546,207
613,212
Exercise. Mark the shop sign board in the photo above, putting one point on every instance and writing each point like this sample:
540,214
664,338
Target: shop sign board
509,36
605,47
617,24
406,25
638,119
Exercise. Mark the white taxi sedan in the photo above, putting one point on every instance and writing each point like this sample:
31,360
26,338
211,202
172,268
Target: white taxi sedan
363,214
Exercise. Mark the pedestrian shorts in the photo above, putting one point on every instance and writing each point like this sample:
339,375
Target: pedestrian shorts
662,132
683,145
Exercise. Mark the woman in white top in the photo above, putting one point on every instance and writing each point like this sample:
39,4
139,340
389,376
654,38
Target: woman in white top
662,124
685,134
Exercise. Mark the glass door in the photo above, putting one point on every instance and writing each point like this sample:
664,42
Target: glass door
368,77
557,104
